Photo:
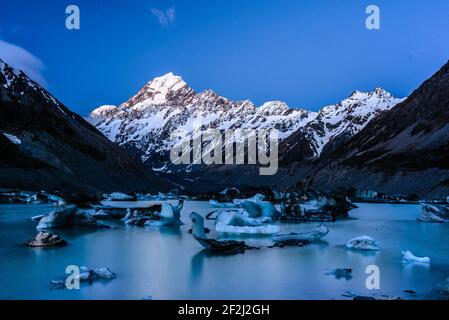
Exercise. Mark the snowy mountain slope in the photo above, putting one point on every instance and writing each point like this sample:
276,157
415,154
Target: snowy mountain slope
403,150
337,123
144,123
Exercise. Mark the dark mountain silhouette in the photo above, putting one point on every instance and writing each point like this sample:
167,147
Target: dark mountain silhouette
43,145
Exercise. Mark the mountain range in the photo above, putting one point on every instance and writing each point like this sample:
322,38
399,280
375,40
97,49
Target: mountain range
404,150
370,140
143,124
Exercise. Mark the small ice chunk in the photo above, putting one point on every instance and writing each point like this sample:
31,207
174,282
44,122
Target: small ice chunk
120,196
238,222
99,273
104,273
408,257
363,243
13,138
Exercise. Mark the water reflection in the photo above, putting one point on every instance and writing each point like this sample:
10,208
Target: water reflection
168,263
171,231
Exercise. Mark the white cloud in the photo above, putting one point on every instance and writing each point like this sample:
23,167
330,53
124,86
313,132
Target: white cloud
171,15
166,18
21,59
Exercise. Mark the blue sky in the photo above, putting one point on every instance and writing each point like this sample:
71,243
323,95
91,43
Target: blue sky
306,53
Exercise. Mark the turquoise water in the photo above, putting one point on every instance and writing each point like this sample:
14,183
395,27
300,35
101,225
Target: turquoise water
170,264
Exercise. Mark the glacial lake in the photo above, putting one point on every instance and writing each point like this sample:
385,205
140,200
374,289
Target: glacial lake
169,264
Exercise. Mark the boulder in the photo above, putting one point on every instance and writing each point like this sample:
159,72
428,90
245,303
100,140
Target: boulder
45,239
212,245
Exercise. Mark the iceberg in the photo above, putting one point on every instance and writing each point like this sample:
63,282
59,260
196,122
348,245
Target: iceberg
408,257
259,208
256,198
157,215
87,274
227,205
239,222
363,243
309,236
169,216
69,217
215,246
120,196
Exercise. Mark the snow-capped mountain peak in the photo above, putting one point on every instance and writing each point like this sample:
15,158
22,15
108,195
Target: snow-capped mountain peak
103,111
166,83
168,90
348,117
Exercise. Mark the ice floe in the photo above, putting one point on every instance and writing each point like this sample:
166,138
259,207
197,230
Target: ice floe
226,205
310,236
363,243
408,257
69,217
120,196
239,222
